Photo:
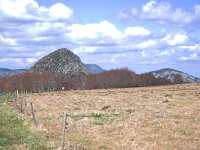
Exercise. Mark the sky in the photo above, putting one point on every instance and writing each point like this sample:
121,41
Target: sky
142,35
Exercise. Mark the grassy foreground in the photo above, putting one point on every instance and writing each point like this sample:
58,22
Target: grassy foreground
14,134
153,118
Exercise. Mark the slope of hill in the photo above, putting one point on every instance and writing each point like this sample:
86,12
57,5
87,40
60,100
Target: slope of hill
93,68
61,61
4,72
171,73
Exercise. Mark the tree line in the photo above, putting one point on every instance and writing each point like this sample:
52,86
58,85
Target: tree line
116,78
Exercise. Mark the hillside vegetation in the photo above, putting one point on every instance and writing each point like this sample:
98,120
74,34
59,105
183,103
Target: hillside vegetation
44,82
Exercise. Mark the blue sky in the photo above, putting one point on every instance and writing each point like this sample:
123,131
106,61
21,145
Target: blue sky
143,35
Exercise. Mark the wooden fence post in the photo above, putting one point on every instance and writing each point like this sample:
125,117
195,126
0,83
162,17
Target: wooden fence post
33,114
15,103
17,92
7,98
25,105
64,126
21,104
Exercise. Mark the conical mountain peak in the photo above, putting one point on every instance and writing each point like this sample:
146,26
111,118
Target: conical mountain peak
61,61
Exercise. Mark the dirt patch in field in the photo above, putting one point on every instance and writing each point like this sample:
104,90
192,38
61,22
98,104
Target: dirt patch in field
164,117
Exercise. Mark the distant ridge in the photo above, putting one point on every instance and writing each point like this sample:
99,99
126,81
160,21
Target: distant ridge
170,74
93,68
5,72
61,61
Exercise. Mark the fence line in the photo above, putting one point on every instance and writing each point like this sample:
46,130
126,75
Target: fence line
15,103
23,109
33,114
64,126
21,104
25,105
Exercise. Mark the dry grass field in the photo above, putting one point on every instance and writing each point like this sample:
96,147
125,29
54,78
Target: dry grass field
164,117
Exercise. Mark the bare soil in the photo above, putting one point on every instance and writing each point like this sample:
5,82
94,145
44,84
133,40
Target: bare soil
163,117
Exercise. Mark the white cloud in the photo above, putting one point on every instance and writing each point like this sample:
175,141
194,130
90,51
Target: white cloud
127,15
31,60
18,61
143,54
136,31
30,9
41,38
163,12
7,41
193,57
113,60
195,47
103,33
95,31
123,15
197,9
181,16
166,52
176,39
17,8
153,10
134,11
85,49
149,6
147,44
47,28
59,10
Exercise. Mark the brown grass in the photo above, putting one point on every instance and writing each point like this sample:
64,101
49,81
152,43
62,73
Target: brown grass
164,117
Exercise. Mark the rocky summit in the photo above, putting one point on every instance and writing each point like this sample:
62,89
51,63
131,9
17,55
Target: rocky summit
61,61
